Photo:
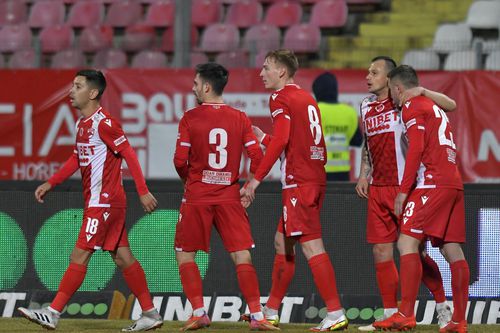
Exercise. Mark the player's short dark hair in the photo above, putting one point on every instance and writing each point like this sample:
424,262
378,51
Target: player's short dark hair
390,63
285,57
215,74
95,79
406,75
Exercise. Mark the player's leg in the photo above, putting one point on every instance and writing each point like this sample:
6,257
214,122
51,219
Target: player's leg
387,276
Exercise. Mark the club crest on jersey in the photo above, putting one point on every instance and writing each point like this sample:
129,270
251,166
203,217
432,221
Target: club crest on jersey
293,201
424,199
380,107
91,132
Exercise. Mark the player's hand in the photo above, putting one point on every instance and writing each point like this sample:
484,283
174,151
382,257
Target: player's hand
148,202
41,191
258,133
399,203
362,188
247,192
410,93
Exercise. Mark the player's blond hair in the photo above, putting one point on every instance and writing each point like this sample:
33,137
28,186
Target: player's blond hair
285,57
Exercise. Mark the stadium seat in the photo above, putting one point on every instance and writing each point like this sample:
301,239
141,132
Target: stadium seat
67,59
364,2
95,38
138,37
284,14
24,59
13,12
484,15
260,57
244,13
205,12
329,14
86,13
198,58
149,59
452,37
220,37
56,38
487,45
46,13
493,61
232,59
124,13
160,13
421,59
15,37
302,38
167,40
262,37
110,58
461,60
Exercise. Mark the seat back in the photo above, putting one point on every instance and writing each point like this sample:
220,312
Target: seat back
110,58
262,37
86,13
421,59
149,59
95,38
284,14
220,37
46,13
244,13
302,38
329,14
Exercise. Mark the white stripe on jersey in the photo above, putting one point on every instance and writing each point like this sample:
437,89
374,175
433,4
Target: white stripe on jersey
97,168
249,143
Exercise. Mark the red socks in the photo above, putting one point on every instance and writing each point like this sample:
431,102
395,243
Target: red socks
283,271
460,276
431,277
249,286
324,278
388,279
136,281
191,283
71,281
411,274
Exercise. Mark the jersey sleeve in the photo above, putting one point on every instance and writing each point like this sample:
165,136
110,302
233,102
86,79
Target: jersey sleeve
68,169
414,121
182,148
251,144
135,170
112,135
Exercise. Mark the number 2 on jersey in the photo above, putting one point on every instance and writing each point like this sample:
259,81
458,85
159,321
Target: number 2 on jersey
443,140
218,160
314,124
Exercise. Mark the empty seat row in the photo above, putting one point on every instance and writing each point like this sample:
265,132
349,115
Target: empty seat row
454,61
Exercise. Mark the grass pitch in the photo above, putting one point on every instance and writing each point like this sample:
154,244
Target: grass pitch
21,325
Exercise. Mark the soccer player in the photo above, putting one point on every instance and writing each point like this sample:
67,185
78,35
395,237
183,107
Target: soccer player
383,159
207,158
432,193
298,139
100,148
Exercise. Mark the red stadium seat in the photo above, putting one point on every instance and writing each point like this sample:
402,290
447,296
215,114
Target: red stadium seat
110,58
220,37
161,13
232,59
15,37
329,14
149,59
244,13
302,38
260,57
167,40
68,59
198,58
56,38
205,12
262,37
13,12
284,14
96,38
24,59
86,13
138,37
124,13
46,13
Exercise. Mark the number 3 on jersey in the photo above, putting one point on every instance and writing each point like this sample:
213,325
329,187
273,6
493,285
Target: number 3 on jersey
218,137
314,124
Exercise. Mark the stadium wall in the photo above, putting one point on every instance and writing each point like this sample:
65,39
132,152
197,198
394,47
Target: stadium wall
36,241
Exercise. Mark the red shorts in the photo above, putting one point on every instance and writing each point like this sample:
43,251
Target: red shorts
436,213
103,228
381,223
194,227
301,212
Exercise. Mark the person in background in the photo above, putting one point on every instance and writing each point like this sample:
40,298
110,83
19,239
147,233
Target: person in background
340,127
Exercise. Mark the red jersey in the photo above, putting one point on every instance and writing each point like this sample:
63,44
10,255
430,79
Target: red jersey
208,152
297,139
432,154
99,139
386,143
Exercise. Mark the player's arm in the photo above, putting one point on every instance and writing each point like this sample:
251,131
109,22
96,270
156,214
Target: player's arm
252,146
415,133
446,103
182,148
364,173
68,169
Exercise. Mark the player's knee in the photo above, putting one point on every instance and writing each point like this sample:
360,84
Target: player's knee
383,252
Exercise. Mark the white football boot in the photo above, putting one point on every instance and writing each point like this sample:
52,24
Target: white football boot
43,317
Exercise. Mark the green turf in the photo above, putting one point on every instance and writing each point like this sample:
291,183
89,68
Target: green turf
13,325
